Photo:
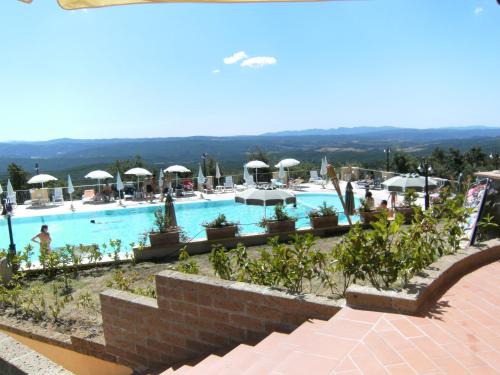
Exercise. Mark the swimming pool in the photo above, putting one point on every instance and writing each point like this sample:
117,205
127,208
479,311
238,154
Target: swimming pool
128,224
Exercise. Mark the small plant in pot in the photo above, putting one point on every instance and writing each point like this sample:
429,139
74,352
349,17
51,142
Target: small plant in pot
220,228
409,205
163,232
281,221
324,217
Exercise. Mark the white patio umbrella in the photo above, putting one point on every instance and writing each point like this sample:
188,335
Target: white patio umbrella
201,178
265,197
41,179
138,172
408,181
177,169
256,164
1,189
217,173
287,163
98,175
119,185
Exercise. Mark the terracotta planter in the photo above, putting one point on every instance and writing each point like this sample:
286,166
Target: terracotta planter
167,238
368,217
407,212
220,233
280,226
320,222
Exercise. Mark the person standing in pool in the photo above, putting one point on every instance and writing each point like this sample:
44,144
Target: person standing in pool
43,239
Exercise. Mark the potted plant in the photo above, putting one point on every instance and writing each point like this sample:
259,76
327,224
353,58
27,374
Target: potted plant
366,213
163,232
220,228
281,221
324,217
408,206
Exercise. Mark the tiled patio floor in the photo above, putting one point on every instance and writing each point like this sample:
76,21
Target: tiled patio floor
459,335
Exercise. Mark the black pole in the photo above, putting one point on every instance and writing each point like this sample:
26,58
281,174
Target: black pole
12,245
426,186
387,151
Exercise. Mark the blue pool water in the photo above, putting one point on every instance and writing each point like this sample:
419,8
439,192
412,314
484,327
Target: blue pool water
128,224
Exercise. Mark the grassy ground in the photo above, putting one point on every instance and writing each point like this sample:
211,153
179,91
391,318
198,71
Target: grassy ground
77,298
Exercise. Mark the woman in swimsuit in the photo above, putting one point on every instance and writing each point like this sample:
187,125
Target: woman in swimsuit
43,239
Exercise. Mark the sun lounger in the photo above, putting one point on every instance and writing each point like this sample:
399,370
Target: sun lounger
88,196
208,189
315,178
228,184
297,184
277,183
36,197
58,196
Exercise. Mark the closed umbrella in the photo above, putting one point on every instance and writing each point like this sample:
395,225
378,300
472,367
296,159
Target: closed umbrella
349,199
10,190
119,185
256,164
170,211
246,175
265,197
281,172
323,171
335,181
161,175
217,173
71,190
1,189
41,179
98,175
201,178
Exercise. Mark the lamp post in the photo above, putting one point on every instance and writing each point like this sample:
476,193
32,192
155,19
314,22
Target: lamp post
7,211
387,152
495,157
37,169
425,168
204,158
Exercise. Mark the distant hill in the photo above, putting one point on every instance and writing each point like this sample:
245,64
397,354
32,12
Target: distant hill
354,145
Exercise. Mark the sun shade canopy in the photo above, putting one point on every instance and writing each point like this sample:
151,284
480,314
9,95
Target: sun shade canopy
82,4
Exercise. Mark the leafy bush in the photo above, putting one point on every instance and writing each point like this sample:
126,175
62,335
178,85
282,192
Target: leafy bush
410,198
219,222
186,263
280,214
324,210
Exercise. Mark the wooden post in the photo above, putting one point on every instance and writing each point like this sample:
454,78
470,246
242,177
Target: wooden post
335,181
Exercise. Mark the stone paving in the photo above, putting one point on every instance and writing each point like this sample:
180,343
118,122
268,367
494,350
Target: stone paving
460,334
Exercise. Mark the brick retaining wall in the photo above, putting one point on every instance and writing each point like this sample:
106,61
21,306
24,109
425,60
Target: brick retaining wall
197,315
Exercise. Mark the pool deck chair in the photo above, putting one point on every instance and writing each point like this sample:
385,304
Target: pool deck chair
58,196
208,189
228,184
88,196
315,178
36,197
277,183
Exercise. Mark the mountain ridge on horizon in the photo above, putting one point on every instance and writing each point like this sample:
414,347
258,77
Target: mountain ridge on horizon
341,130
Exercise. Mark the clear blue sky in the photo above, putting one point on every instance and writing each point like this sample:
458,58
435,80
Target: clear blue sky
151,70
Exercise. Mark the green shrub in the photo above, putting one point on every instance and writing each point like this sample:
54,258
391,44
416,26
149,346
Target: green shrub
324,210
219,222
186,263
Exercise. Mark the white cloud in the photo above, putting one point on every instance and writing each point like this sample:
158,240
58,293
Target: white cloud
258,62
216,71
235,58
478,11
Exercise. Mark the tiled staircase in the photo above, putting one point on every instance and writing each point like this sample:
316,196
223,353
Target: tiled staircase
248,360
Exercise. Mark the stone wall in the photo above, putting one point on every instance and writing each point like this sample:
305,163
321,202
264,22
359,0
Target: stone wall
196,315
